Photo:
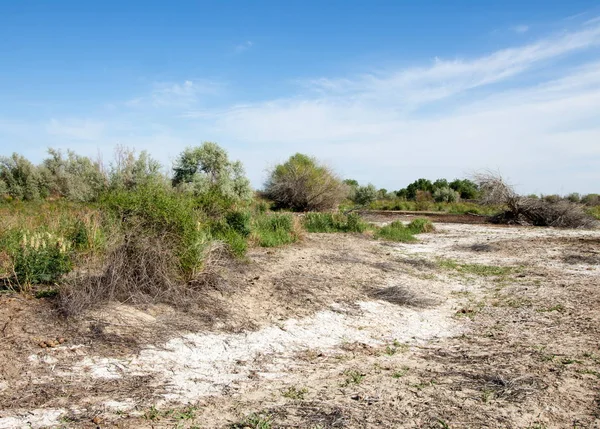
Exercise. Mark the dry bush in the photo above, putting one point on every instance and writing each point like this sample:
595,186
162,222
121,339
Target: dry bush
141,270
522,210
401,296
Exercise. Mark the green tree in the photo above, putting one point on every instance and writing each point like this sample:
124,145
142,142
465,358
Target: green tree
207,169
129,170
75,177
21,178
466,188
365,195
418,185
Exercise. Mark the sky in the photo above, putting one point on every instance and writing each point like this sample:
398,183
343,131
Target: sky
382,91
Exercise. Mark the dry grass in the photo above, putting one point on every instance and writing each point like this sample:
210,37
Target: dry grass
139,271
402,296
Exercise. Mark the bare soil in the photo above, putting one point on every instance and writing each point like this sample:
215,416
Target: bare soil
471,326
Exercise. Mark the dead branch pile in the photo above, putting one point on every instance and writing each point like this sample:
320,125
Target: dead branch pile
522,210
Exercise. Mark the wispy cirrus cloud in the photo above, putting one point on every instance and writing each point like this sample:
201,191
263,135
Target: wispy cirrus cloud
520,29
76,129
243,47
169,94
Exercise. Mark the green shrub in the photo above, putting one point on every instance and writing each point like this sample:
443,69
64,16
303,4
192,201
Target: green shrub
129,170
364,195
396,231
274,230
304,184
239,220
41,258
75,177
445,195
420,225
333,222
207,169
21,178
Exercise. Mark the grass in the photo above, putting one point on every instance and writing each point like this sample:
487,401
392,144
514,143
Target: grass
451,208
334,222
295,393
401,372
353,377
475,269
271,230
254,421
397,231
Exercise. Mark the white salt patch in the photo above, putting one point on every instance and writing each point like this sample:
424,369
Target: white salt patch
32,419
197,365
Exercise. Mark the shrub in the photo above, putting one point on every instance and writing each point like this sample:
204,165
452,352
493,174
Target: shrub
75,177
574,197
591,200
421,225
418,185
21,178
333,222
274,230
395,231
239,221
41,258
446,195
129,171
364,195
467,189
527,211
303,184
207,169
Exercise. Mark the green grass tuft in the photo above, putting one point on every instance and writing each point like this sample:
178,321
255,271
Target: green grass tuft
333,222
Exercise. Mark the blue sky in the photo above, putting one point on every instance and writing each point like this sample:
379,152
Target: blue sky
383,91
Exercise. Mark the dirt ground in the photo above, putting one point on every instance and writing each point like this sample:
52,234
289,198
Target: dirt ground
472,326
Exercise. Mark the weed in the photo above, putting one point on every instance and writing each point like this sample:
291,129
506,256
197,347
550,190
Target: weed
295,393
274,230
353,377
401,372
476,269
333,222
396,231
254,421
558,307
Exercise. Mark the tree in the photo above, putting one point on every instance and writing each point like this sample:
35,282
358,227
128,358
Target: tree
304,184
365,194
207,168
418,185
467,189
440,183
445,195
22,179
75,177
129,171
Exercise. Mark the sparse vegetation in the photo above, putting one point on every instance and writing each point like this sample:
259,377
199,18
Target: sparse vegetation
333,222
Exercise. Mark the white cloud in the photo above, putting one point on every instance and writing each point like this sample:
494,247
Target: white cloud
520,29
76,129
392,127
168,94
243,47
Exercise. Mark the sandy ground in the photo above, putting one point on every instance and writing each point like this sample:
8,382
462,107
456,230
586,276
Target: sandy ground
478,326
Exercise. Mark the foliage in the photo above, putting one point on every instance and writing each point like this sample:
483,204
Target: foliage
445,195
467,189
207,169
333,222
418,185
304,184
395,231
41,258
421,225
129,171
364,195
21,178
271,230
76,178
